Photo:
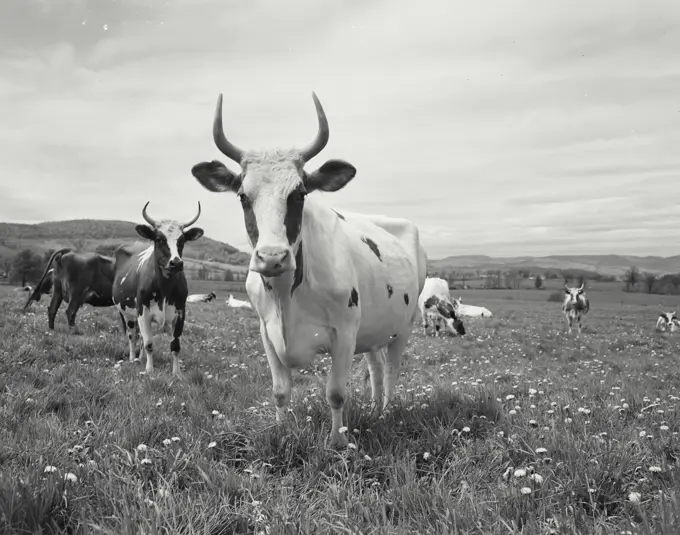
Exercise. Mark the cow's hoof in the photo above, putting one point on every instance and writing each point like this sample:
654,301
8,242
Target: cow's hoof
338,441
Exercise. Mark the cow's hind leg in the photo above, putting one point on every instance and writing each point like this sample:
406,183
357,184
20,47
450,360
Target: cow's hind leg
71,311
55,303
281,376
392,362
375,366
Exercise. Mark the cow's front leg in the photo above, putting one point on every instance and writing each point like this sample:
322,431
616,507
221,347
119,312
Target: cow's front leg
147,337
342,351
177,328
580,326
281,376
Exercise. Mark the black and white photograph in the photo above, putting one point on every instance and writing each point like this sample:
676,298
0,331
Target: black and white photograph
339,267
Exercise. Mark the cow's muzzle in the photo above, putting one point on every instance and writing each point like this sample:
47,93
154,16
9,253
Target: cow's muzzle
271,261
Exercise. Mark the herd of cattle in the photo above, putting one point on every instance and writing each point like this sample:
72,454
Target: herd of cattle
320,281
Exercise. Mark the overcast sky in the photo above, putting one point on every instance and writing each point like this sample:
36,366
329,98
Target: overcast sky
498,127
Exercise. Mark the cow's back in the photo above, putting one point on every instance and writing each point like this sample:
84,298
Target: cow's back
88,274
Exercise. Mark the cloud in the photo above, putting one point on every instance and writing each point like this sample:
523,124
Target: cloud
503,129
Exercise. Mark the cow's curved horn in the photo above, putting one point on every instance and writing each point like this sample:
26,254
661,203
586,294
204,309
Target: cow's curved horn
226,147
185,225
322,134
147,217
582,286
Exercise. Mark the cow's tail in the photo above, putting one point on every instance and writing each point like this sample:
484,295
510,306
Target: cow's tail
35,294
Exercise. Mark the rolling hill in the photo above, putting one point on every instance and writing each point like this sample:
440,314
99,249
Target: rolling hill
91,234
604,264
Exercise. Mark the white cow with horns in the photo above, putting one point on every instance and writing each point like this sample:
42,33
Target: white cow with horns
320,281
575,305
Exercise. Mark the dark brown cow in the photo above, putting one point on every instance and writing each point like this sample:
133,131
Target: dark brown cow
78,279
150,285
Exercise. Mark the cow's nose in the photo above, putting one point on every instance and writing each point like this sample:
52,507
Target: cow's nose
176,263
271,261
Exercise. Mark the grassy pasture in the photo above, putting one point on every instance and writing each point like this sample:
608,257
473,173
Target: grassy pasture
89,444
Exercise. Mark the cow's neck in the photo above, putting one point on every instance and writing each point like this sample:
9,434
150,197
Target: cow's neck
164,284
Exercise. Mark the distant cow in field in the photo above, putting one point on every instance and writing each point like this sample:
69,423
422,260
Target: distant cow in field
575,305
78,279
201,298
668,321
435,306
320,281
150,285
237,303
471,311
42,289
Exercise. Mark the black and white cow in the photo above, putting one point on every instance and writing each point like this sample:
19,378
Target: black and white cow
668,321
201,298
436,308
575,305
320,280
150,285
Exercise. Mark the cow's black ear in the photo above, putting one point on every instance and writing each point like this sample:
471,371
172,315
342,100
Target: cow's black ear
146,232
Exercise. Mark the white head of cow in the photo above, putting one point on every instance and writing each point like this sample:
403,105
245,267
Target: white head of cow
272,187
168,238
573,293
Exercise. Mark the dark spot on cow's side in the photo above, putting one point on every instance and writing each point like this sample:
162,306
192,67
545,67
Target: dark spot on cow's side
372,246
406,299
339,215
293,218
131,324
266,284
297,278
390,290
353,298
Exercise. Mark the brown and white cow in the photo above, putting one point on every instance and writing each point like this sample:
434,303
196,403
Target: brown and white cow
150,285
320,281
202,298
575,305
78,279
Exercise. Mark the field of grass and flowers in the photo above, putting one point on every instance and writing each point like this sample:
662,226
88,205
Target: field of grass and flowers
515,428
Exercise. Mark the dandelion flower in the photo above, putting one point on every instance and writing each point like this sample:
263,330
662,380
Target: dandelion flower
426,455
663,428
142,448
343,429
352,446
634,497
175,439
520,472
146,461
212,444
509,397
367,458
50,469
643,434
536,478
541,451
466,429
533,423
525,490
167,442
655,469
